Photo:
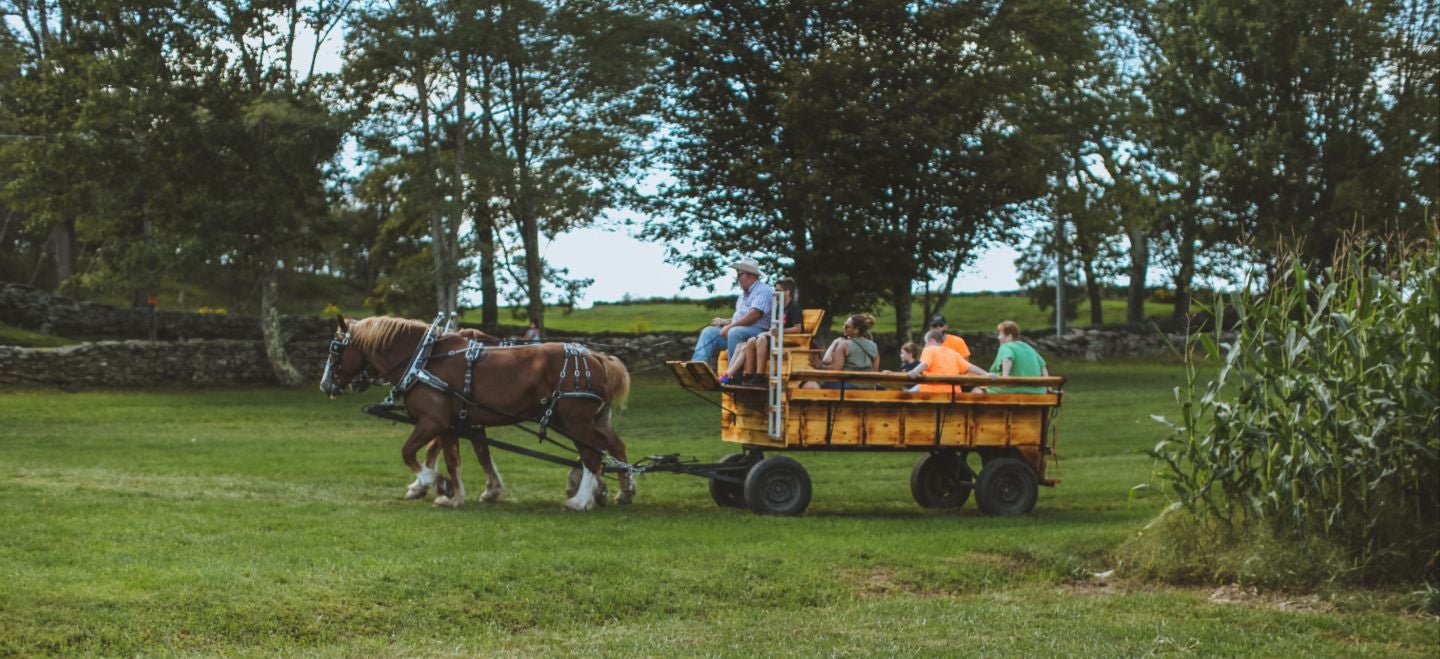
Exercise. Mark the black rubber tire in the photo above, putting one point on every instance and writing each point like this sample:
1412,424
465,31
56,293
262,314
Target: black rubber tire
941,480
729,495
778,486
1007,487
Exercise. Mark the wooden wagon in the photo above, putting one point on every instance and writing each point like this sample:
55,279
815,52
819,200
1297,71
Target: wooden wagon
1012,434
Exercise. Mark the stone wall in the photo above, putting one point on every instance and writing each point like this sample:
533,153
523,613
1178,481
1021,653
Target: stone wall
218,350
34,309
217,362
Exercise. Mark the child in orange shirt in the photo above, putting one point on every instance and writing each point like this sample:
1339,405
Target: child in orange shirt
936,359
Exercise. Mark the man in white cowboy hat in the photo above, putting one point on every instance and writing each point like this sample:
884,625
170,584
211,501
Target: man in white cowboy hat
751,317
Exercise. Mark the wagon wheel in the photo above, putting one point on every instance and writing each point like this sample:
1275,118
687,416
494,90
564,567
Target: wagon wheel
1007,486
778,486
730,495
941,480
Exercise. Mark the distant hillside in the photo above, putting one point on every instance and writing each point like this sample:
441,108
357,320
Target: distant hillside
967,313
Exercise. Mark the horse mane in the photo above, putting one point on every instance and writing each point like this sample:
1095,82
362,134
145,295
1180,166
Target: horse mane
376,331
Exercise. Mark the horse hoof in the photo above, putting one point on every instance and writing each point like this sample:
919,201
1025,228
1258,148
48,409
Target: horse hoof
624,498
446,502
414,493
573,506
491,497
445,487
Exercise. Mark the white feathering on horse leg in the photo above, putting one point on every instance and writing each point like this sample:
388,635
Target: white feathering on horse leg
494,486
423,480
455,501
584,498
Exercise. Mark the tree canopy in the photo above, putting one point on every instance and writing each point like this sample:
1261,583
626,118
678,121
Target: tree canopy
870,149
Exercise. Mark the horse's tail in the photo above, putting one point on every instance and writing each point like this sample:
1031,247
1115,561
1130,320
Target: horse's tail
617,381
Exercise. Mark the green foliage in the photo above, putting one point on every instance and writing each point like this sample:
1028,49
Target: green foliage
1286,118
1181,547
1323,420
14,336
799,127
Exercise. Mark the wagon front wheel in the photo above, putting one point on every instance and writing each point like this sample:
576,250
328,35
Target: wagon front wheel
730,495
1007,486
778,486
941,480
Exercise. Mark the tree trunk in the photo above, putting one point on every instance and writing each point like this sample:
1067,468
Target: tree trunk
64,236
534,267
285,372
901,297
1185,274
458,196
1139,268
485,244
1092,290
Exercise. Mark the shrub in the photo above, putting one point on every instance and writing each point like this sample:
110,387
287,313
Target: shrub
1322,421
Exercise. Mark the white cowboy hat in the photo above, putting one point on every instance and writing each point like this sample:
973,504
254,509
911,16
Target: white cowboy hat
748,265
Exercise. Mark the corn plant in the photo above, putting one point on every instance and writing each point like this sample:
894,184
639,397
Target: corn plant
1323,418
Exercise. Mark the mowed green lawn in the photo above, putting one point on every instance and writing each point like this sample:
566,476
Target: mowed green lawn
966,313
269,521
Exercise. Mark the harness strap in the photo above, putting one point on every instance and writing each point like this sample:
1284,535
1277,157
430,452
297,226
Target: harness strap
575,364
473,352
416,371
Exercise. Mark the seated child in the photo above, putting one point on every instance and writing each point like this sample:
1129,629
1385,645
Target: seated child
936,359
909,356
1016,358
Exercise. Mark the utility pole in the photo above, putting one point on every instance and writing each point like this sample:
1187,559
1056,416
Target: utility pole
1059,275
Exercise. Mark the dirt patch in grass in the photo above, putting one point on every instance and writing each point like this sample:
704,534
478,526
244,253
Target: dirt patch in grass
953,577
1254,597
882,582
1101,584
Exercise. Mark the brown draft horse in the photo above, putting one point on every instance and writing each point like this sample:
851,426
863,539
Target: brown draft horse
511,384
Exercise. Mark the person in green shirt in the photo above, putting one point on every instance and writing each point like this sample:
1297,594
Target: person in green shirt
1016,359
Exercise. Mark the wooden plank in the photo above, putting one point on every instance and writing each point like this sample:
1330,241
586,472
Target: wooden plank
897,397
887,377
957,426
990,426
812,420
694,375
847,426
1026,427
884,426
919,425
743,436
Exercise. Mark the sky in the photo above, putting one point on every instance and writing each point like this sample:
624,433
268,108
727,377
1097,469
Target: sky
621,264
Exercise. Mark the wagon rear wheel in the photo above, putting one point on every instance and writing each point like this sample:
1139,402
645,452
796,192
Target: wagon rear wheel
730,495
778,486
1007,486
941,480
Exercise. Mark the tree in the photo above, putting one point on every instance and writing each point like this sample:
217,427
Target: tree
571,103
921,128
1292,121
404,58
268,132
545,110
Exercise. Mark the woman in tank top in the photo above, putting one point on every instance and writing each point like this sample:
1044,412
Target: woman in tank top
855,351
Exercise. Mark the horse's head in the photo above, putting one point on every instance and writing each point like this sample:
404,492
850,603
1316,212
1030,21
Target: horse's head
346,365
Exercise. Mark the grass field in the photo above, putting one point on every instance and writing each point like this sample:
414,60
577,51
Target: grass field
269,521
966,313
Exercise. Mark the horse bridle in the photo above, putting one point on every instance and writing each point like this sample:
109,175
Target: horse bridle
362,379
